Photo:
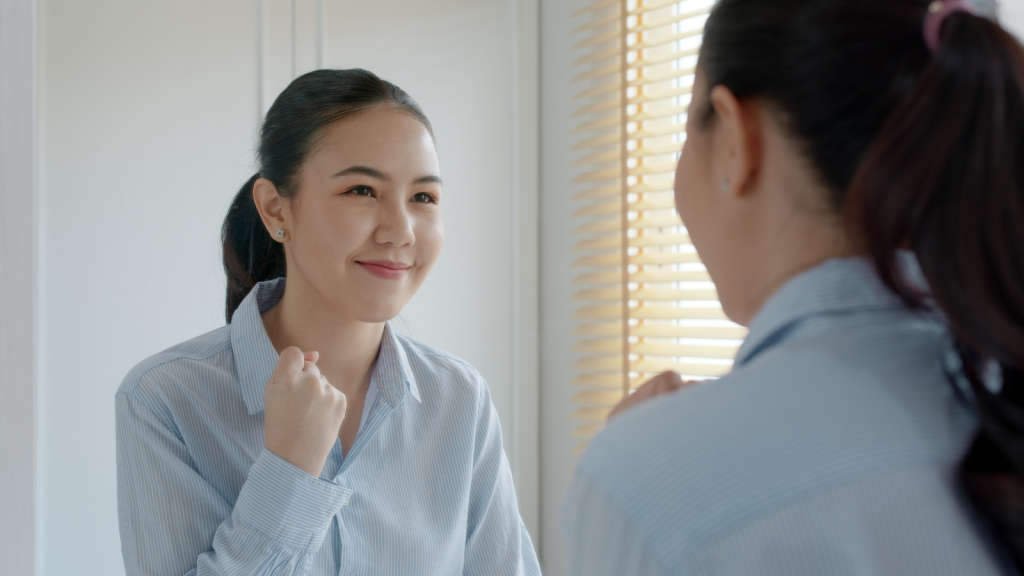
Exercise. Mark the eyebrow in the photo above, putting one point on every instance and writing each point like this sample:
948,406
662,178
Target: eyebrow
432,179
374,173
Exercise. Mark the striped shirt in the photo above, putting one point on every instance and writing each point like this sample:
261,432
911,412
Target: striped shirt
830,449
425,488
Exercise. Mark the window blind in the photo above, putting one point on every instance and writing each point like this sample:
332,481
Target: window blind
646,303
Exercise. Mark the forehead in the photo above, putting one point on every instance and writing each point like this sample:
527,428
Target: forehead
383,138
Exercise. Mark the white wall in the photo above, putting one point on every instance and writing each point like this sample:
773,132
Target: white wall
1011,16
148,114
17,285
556,224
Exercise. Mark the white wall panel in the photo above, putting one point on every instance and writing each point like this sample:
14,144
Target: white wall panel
556,224
1011,15
291,43
306,42
148,115
526,263
279,59
17,286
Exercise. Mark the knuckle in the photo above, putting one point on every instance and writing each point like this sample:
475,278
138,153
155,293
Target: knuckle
289,361
310,387
340,400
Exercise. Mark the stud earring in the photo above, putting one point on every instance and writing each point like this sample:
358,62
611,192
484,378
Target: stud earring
725,184
280,234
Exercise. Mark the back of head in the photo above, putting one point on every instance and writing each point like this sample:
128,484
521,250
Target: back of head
921,149
290,132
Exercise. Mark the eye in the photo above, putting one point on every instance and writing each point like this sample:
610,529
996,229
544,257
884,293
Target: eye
361,191
424,198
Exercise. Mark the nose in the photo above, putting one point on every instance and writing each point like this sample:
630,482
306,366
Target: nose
394,224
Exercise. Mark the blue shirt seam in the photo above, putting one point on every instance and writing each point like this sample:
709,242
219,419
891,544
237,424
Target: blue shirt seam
135,381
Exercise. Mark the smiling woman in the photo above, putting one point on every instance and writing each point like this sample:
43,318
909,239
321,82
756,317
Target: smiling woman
306,437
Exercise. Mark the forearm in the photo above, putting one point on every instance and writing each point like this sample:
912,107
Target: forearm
173,521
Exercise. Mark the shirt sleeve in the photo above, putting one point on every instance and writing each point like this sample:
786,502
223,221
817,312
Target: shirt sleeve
602,540
173,522
497,541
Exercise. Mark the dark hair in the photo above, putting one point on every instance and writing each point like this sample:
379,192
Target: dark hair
293,126
920,151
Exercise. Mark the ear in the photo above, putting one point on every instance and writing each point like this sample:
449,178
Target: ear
271,208
738,141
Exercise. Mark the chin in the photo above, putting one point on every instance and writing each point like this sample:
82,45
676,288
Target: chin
375,314
739,314
376,319
370,302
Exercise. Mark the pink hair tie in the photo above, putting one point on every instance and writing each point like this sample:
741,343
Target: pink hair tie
938,11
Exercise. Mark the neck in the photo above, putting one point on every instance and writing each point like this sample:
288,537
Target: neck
787,245
348,348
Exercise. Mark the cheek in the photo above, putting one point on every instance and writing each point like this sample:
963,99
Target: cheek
429,239
330,232
690,186
348,230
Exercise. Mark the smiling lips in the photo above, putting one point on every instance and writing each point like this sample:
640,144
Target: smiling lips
386,269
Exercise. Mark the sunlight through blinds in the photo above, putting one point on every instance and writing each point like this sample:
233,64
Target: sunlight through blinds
647,304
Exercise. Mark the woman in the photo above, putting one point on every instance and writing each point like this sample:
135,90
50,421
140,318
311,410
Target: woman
853,180
307,437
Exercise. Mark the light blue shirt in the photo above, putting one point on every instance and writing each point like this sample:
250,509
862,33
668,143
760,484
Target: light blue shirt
425,488
831,448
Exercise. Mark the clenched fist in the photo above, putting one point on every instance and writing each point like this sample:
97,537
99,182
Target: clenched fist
303,412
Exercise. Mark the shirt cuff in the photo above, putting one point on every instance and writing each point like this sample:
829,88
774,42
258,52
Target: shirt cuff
287,504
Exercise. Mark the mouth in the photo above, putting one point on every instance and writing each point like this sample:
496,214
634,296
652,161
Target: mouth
385,269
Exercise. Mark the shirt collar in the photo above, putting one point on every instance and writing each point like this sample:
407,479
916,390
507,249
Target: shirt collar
837,286
256,358
392,371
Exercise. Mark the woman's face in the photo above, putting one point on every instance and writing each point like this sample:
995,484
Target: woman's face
365,224
699,194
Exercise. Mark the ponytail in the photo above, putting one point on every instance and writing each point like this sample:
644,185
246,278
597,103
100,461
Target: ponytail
293,126
250,254
945,179
920,151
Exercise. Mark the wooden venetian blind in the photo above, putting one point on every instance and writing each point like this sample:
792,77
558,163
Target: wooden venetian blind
647,304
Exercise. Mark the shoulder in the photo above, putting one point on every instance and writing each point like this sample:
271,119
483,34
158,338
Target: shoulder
801,418
184,364
856,524
451,387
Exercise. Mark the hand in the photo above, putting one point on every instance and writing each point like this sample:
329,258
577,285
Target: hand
664,383
302,412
